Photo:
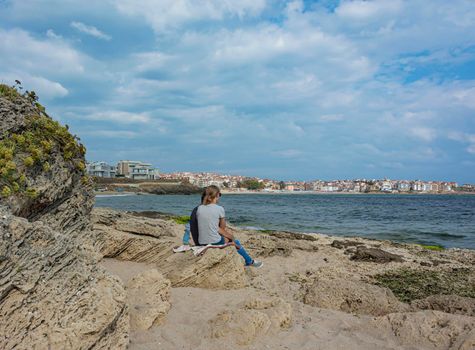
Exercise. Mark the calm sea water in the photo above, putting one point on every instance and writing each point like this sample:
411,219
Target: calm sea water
448,220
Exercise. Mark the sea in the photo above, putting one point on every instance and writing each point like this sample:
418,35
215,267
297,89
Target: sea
445,220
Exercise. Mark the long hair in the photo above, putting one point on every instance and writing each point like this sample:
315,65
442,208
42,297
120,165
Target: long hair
209,194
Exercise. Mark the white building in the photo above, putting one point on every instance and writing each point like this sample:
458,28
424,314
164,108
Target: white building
137,170
101,169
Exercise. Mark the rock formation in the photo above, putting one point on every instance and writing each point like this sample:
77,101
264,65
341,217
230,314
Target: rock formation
52,291
352,296
129,237
259,317
148,299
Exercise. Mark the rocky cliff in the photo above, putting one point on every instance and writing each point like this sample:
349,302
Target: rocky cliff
52,292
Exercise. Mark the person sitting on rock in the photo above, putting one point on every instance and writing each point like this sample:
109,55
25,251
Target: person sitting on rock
212,225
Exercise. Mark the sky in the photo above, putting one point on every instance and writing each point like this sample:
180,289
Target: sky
276,89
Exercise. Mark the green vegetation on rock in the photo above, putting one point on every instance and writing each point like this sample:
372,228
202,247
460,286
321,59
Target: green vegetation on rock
9,92
33,148
181,219
408,284
437,248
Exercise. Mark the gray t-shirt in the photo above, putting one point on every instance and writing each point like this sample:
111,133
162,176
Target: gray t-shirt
208,223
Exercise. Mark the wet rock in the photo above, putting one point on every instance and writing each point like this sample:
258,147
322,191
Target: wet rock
265,246
279,244
345,244
411,284
148,296
352,297
375,255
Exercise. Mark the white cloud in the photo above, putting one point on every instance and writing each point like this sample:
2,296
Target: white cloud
288,153
366,9
331,117
166,14
463,138
52,35
118,117
466,97
51,57
119,134
44,88
90,30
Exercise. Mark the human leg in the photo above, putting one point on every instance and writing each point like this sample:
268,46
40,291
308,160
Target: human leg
243,252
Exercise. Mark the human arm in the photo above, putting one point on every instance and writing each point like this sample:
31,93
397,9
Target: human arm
223,231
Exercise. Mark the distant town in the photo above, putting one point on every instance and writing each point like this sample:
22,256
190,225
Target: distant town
141,171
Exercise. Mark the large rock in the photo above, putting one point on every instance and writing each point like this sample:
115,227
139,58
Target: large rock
429,330
148,296
216,269
352,297
452,304
52,293
127,237
375,255
280,243
259,317
241,326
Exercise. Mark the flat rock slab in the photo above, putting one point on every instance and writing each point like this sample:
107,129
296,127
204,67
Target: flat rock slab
375,255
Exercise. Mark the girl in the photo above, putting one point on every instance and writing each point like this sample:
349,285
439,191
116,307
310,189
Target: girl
212,225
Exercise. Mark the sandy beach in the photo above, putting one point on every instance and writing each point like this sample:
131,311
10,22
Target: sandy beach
314,291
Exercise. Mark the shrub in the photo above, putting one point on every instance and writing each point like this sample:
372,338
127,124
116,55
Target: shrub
6,191
46,167
9,92
28,161
31,192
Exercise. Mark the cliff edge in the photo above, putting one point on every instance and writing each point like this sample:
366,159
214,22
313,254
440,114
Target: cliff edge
52,292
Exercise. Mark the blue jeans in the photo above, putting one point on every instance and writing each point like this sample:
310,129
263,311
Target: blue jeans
240,250
186,235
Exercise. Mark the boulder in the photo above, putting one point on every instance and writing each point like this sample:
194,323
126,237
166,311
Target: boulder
259,317
127,237
352,296
280,243
452,304
148,296
53,294
242,327
375,255
278,311
216,269
429,330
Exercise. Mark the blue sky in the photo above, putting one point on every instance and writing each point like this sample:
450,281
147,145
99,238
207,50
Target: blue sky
279,89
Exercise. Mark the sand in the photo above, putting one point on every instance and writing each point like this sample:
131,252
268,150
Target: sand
221,318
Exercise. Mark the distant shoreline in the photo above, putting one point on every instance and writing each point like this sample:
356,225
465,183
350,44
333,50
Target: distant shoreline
115,193
344,193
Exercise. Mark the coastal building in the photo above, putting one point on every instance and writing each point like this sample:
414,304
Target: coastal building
101,169
403,186
137,170
416,186
386,186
